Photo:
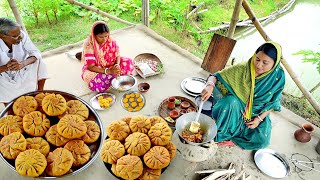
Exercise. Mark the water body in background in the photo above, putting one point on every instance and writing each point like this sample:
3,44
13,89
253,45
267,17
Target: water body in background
296,30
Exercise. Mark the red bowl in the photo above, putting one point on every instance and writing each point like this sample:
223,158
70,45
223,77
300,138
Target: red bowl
174,114
185,104
191,109
143,87
183,111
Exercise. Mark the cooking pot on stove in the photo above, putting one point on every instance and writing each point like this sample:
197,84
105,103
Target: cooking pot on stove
207,125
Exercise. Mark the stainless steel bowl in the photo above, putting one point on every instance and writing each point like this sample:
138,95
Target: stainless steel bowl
94,147
207,124
124,83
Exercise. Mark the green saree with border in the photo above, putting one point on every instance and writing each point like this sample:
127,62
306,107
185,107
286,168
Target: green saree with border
238,85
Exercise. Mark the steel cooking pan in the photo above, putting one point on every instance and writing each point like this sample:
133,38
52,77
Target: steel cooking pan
207,124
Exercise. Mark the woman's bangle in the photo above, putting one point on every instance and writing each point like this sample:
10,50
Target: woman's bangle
260,119
105,70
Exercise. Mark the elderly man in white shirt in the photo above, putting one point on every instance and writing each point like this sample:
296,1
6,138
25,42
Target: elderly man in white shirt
22,69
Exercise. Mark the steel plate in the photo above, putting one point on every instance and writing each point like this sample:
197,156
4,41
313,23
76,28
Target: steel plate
95,103
135,99
189,90
271,163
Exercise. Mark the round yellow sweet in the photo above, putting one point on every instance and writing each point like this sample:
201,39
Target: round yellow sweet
137,95
137,108
139,99
130,109
128,96
141,104
126,105
109,99
132,95
125,100
131,99
133,104
100,97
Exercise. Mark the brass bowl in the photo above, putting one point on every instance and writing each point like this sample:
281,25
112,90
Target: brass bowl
124,83
94,147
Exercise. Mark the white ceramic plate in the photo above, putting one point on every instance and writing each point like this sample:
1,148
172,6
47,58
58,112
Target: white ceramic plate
271,163
95,104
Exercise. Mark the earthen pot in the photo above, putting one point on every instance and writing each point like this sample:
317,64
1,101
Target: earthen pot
171,103
185,104
174,114
304,133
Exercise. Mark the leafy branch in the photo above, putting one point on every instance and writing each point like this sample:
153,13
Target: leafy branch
310,56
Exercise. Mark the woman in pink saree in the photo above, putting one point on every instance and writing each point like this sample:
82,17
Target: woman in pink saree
102,61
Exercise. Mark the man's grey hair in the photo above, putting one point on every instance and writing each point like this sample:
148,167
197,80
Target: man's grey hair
7,25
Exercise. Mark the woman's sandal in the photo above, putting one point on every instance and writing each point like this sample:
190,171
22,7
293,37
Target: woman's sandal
226,143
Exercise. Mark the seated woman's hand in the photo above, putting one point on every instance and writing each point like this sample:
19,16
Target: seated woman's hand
254,123
115,70
206,93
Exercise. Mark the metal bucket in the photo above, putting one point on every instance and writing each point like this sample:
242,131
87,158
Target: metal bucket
207,124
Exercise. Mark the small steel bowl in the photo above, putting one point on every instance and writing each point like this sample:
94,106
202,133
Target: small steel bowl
124,83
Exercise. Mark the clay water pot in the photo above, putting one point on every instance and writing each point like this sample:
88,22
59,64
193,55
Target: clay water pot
304,133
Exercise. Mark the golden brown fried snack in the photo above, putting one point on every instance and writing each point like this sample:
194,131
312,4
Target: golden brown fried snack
59,162
157,157
172,150
39,97
71,127
12,144
54,104
137,144
10,124
38,143
160,134
140,124
54,137
36,123
156,119
118,130
150,174
24,105
129,167
111,151
93,132
80,152
114,169
76,107
126,119
31,163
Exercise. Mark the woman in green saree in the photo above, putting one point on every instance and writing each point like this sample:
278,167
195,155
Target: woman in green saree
244,95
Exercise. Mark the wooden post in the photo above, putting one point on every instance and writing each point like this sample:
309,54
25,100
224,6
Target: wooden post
99,12
16,14
284,62
218,53
234,19
145,12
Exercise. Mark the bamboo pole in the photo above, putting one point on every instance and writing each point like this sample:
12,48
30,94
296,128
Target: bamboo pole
16,14
234,18
99,12
284,62
145,12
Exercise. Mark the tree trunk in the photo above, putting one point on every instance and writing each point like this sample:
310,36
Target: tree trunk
48,17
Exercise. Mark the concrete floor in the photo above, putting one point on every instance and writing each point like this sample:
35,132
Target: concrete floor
178,64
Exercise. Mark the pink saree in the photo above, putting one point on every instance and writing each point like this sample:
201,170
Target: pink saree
103,56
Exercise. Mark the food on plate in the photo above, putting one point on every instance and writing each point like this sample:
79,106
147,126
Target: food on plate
39,97
71,127
126,119
114,169
59,162
156,119
133,102
172,149
10,124
137,144
140,124
157,157
80,152
12,144
31,163
76,107
38,143
150,174
111,151
54,138
36,123
24,105
160,134
105,102
193,137
125,100
139,99
93,132
118,130
54,104
129,167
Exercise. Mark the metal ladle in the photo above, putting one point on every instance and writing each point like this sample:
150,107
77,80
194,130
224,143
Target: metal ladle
195,125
